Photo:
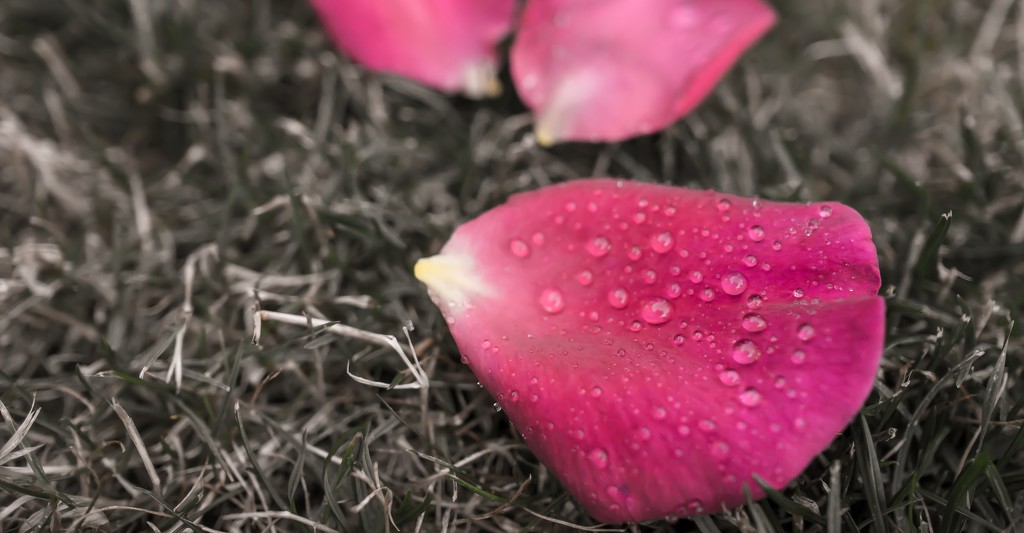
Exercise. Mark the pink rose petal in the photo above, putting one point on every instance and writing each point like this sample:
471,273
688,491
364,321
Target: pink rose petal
610,70
446,44
658,346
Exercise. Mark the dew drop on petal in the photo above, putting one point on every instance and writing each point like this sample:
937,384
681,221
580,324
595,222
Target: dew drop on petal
734,283
635,253
825,211
805,332
756,233
678,339
696,276
519,248
662,242
750,260
798,357
750,397
650,277
706,425
659,413
729,378
599,246
755,301
537,238
719,449
656,311
595,392
673,291
745,352
724,204
635,326
707,294
777,245
754,322
798,293
618,298
598,458
552,301
585,277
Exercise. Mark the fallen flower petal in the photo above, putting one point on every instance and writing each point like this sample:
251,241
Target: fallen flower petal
610,70
656,346
446,44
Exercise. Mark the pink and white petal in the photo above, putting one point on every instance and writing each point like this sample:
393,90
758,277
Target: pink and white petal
446,44
606,71
647,388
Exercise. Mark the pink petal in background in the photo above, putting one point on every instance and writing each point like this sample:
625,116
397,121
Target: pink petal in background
445,44
613,69
655,346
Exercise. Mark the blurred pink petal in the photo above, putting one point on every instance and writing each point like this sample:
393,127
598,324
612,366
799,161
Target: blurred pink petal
446,44
613,69
656,346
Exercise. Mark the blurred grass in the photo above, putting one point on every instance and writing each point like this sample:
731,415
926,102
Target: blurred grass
164,163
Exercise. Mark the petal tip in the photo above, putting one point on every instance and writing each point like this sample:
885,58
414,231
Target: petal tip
480,81
452,277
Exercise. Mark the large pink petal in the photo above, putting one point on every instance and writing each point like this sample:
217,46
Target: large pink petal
658,346
446,44
612,69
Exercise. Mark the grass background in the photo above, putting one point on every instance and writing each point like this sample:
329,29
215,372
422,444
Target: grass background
160,159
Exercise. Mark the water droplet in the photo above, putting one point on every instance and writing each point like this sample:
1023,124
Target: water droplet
719,449
537,238
696,276
825,211
599,246
650,277
598,458
595,392
635,326
486,344
750,397
754,322
706,425
659,413
800,423
585,277
644,433
729,378
656,311
798,293
634,253
756,233
755,301
723,204
673,291
805,333
570,206
777,245
734,283
662,242
679,339
551,300
707,294
618,298
798,357
513,395
497,408
745,352
698,335
519,248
